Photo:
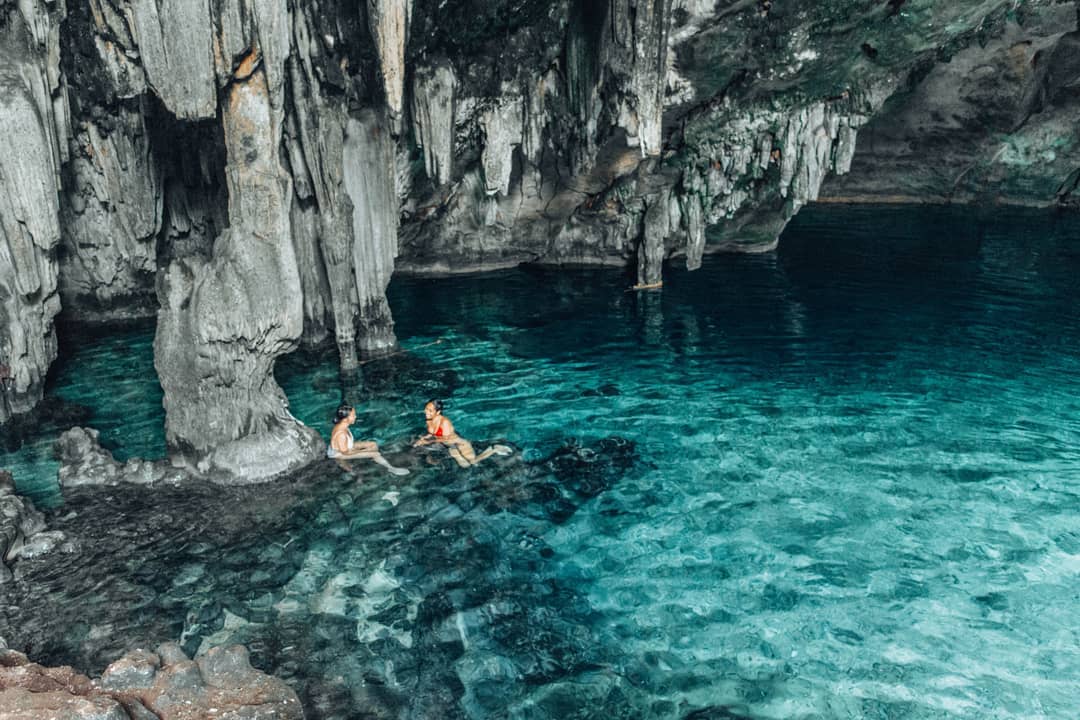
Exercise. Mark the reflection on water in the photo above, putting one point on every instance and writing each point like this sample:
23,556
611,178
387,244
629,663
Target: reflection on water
839,480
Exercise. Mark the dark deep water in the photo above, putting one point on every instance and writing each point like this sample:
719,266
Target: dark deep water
835,481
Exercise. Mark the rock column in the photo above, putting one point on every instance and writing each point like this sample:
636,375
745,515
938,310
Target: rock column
224,320
34,117
654,232
369,181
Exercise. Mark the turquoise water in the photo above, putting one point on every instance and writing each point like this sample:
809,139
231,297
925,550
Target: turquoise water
853,491
105,380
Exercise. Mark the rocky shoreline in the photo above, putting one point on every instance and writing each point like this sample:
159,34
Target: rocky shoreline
337,583
23,533
142,685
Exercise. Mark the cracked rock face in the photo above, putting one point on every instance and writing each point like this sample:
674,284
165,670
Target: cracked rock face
30,159
253,171
994,124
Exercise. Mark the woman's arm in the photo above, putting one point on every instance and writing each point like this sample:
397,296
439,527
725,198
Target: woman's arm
424,440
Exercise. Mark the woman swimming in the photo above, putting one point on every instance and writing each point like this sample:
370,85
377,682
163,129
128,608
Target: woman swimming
441,430
343,447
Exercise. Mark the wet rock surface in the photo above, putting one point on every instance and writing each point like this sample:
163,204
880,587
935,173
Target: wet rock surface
84,462
23,531
33,114
992,125
357,590
143,685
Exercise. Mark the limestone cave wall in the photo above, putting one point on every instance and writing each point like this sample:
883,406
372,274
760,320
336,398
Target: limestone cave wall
251,172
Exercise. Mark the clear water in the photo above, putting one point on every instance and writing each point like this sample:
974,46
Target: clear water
105,381
854,493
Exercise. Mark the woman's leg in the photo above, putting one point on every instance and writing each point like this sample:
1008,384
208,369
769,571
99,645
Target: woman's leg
369,449
459,456
379,459
465,455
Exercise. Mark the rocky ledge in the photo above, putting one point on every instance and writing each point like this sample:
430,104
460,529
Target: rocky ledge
84,462
144,685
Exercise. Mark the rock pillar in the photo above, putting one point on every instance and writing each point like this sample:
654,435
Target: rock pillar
369,182
34,116
224,320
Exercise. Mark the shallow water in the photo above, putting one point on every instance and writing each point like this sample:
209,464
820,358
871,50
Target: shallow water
843,485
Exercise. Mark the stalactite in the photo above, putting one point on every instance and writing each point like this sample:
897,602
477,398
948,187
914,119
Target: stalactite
638,40
695,230
433,117
177,53
389,20
368,160
502,125
349,164
318,320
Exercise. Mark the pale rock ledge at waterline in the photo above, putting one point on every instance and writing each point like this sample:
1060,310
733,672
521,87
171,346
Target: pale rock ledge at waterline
253,171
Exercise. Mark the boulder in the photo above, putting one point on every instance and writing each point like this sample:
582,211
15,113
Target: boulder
84,462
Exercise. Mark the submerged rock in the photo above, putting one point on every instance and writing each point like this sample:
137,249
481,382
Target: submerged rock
84,462
355,599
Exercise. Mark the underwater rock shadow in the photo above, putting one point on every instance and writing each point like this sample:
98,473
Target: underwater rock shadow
322,579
